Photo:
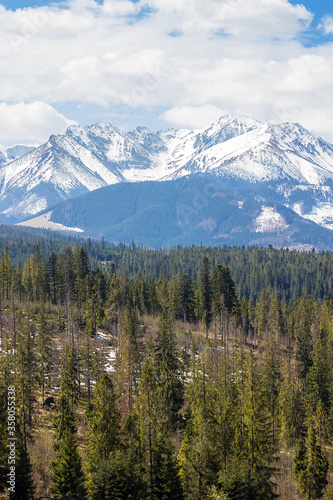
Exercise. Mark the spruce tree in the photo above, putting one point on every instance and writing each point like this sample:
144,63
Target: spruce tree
43,351
103,425
69,386
291,409
128,362
24,485
168,369
67,475
205,294
162,474
272,382
260,447
52,276
310,467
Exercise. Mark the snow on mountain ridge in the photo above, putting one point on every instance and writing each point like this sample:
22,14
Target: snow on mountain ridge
86,158
13,153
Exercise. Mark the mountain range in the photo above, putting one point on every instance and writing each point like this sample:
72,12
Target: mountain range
13,153
279,177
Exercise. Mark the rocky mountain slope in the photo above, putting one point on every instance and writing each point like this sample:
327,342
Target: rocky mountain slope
195,209
86,158
13,153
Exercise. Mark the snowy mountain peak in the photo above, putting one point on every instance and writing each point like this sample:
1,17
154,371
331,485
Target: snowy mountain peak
85,158
12,153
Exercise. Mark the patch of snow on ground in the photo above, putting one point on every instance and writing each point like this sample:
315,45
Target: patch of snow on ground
298,208
269,220
111,358
45,222
30,205
321,214
102,335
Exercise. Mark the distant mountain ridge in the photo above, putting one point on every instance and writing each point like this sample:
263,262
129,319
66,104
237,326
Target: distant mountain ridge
86,158
13,153
275,184
196,209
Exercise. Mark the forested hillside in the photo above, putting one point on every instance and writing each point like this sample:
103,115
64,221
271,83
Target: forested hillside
289,273
155,383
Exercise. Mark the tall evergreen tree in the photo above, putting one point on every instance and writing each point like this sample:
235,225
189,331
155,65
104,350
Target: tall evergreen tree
272,382
67,475
43,351
310,467
103,424
291,409
168,369
69,385
205,294
162,474
128,360
258,439
24,485
52,276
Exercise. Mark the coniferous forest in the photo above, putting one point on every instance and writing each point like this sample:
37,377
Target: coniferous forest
184,374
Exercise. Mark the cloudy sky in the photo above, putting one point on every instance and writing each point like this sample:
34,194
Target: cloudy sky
163,63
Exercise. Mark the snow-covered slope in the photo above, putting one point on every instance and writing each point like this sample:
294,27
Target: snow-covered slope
12,153
86,158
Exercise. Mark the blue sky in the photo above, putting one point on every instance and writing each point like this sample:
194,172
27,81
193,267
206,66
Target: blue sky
163,63
320,8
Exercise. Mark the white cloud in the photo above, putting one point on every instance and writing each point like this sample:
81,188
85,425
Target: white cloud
29,123
327,25
237,56
254,19
192,117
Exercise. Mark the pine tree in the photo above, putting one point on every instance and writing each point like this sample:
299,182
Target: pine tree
168,370
24,485
259,443
26,376
303,320
318,381
103,424
69,291
187,298
162,474
67,476
43,351
205,294
34,277
262,311
310,467
291,409
208,432
120,478
6,273
64,420
69,386
128,362
272,381
52,276
223,284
